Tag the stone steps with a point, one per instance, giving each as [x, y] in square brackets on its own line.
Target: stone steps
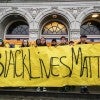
[30, 94]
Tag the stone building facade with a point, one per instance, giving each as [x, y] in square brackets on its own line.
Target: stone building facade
[33, 20]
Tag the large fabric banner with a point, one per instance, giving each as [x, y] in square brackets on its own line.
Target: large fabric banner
[50, 66]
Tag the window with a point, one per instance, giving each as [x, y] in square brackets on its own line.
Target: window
[54, 28]
[18, 28]
[91, 28]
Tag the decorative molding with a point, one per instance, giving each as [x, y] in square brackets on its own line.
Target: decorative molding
[14, 8]
[74, 34]
[33, 34]
[75, 11]
[54, 8]
[33, 31]
[97, 8]
[2, 9]
[34, 11]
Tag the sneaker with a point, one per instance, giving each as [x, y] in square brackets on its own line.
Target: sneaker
[82, 90]
[38, 89]
[44, 89]
[86, 90]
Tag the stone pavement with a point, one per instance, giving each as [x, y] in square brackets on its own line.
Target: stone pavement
[31, 94]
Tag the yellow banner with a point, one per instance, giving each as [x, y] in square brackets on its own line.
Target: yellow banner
[50, 66]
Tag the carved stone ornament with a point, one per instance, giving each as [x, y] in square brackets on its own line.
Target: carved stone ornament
[34, 11]
[2, 9]
[75, 11]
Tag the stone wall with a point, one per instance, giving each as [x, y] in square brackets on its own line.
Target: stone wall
[34, 13]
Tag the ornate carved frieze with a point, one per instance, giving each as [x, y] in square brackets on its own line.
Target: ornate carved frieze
[75, 11]
[97, 8]
[34, 11]
[2, 10]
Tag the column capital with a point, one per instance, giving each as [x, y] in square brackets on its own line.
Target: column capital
[75, 34]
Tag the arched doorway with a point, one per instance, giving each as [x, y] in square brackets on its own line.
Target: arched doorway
[15, 26]
[91, 27]
[54, 26]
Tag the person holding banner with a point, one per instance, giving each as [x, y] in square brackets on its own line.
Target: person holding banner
[11, 45]
[41, 42]
[83, 40]
[71, 43]
[38, 42]
[63, 41]
[25, 43]
[54, 42]
[1, 43]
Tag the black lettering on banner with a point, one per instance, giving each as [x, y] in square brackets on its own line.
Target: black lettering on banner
[31, 77]
[5, 63]
[26, 69]
[85, 66]
[70, 71]
[9, 63]
[76, 57]
[24, 65]
[15, 68]
[44, 67]
[98, 67]
[1, 67]
[90, 67]
[52, 65]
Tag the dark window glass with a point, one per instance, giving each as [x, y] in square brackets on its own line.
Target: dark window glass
[18, 28]
[91, 28]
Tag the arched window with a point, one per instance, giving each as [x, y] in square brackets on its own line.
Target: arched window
[15, 26]
[91, 27]
[55, 28]
[18, 28]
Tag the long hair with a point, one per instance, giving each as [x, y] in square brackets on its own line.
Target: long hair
[25, 45]
[2, 45]
[44, 44]
[38, 42]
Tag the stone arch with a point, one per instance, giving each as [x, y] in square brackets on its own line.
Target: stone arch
[18, 11]
[50, 11]
[15, 11]
[85, 13]
[85, 19]
[67, 15]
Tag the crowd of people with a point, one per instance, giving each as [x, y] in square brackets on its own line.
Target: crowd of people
[42, 42]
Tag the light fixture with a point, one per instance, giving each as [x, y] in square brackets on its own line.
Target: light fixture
[54, 16]
[95, 15]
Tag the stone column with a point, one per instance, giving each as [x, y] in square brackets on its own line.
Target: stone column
[74, 34]
[33, 34]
